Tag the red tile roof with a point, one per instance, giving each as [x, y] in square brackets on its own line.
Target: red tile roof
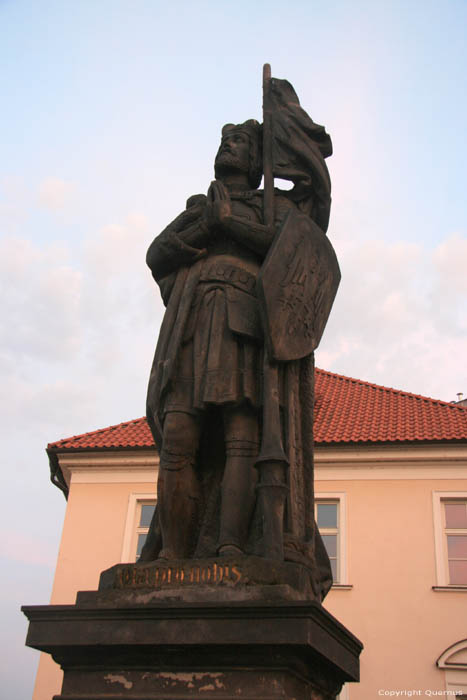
[133, 433]
[346, 411]
[351, 411]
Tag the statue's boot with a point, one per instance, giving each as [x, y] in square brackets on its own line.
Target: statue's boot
[178, 487]
[238, 496]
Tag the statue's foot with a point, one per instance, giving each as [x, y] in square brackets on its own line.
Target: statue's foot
[229, 550]
[167, 555]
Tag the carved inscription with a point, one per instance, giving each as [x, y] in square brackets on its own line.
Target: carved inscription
[173, 576]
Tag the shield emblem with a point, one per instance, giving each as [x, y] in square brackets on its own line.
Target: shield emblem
[297, 285]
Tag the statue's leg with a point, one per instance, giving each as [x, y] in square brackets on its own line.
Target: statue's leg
[177, 486]
[240, 476]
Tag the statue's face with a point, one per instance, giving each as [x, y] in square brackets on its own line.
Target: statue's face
[233, 153]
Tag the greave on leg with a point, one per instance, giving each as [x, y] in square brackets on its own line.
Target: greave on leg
[238, 494]
[178, 506]
[178, 487]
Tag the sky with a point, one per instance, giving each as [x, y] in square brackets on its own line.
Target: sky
[111, 115]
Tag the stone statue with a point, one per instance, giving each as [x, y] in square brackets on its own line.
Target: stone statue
[248, 278]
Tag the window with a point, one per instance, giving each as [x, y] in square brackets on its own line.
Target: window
[450, 521]
[144, 512]
[140, 510]
[327, 517]
[344, 694]
[454, 663]
[330, 518]
[455, 530]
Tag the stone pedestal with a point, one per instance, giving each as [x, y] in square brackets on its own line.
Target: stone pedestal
[118, 643]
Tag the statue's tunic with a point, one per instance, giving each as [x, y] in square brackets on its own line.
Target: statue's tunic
[218, 355]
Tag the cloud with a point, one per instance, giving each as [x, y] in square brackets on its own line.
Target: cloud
[78, 328]
[27, 548]
[54, 193]
[114, 248]
[449, 292]
[399, 318]
[449, 258]
[40, 300]
[14, 204]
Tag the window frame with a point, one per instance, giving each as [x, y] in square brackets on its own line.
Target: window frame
[132, 528]
[440, 536]
[453, 662]
[340, 498]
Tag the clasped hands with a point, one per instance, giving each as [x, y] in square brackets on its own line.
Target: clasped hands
[218, 211]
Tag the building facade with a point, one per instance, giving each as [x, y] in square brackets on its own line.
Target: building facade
[391, 505]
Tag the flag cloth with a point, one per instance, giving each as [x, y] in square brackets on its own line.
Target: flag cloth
[299, 147]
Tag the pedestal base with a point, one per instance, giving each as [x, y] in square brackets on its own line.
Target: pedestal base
[173, 651]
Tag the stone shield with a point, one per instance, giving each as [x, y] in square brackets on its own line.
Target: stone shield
[296, 287]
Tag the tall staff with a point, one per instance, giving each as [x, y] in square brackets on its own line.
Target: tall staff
[272, 461]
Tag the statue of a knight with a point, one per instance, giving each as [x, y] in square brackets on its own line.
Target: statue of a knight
[244, 292]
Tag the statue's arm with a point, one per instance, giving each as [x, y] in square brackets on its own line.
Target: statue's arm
[256, 236]
[182, 242]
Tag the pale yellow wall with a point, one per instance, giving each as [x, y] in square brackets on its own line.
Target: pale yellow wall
[92, 536]
[91, 542]
[391, 608]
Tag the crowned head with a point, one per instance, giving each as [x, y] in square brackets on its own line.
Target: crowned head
[240, 151]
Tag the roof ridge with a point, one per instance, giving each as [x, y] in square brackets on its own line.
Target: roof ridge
[389, 389]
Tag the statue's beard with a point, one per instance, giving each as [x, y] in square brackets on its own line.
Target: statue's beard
[227, 163]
